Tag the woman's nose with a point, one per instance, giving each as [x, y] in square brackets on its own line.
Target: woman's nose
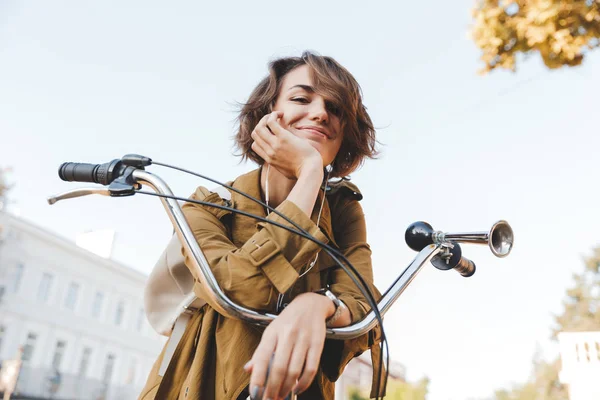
[319, 111]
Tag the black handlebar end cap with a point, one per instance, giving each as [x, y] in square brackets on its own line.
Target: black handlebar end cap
[61, 173]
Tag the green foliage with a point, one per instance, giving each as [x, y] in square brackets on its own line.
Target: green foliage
[355, 395]
[398, 390]
[543, 385]
[407, 391]
[582, 303]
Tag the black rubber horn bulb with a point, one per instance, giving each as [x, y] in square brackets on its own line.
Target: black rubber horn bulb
[418, 235]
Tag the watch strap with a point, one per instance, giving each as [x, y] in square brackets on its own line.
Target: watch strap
[339, 306]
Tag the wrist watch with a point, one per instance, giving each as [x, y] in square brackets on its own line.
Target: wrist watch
[339, 306]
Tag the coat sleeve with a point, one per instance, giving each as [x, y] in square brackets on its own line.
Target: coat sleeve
[267, 263]
[351, 236]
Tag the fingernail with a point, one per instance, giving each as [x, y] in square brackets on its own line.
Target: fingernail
[247, 364]
[254, 392]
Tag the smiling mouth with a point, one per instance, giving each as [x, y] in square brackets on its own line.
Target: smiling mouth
[314, 131]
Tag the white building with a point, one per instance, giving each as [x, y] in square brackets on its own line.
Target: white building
[580, 356]
[78, 316]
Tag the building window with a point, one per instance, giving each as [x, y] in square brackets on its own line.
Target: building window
[72, 294]
[85, 361]
[97, 305]
[17, 277]
[29, 347]
[140, 320]
[119, 313]
[59, 352]
[44, 288]
[108, 368]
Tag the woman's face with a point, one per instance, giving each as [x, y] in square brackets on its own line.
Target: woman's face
[308, 115]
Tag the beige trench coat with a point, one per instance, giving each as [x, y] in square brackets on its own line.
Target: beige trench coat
[254, 262]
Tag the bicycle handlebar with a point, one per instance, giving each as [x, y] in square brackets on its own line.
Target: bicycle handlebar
[226, 307]
[432, 244]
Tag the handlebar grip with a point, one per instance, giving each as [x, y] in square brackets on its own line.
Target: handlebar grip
[465, 267]
[78, 172]
[103, 174]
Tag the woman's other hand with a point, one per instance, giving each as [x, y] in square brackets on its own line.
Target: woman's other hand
[294, 341]
[289, 154]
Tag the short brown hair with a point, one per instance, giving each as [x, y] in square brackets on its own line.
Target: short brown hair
[335, 84]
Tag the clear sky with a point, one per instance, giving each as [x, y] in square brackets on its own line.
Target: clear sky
[91, 81]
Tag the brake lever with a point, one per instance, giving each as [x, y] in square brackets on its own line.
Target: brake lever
[71, 194]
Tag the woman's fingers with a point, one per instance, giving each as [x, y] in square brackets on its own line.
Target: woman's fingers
[248, 366]
[295, 341]
[265, 138]
[272, 122]
[279, 366]
[261, 139]
[281, 148]
[310, 366]
[261, 131]
[260, 365]
[258, 149]
[295, 367]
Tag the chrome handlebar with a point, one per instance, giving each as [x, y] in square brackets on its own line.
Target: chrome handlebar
[437, 245]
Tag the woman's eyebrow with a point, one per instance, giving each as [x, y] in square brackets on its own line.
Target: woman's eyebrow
[306, 88]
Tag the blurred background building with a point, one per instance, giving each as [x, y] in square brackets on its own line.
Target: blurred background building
[77, 315]
[580, 356]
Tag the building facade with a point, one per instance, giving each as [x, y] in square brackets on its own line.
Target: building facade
[580, 356]
[78, 317]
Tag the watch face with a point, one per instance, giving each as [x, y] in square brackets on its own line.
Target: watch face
[330, 295]
[333, 298]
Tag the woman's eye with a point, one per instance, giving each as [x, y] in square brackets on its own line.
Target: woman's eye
[335, 110]
[300, 100]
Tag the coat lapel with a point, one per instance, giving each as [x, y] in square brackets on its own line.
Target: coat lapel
[242, 227]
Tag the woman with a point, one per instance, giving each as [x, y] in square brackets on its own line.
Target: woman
[303, 124]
